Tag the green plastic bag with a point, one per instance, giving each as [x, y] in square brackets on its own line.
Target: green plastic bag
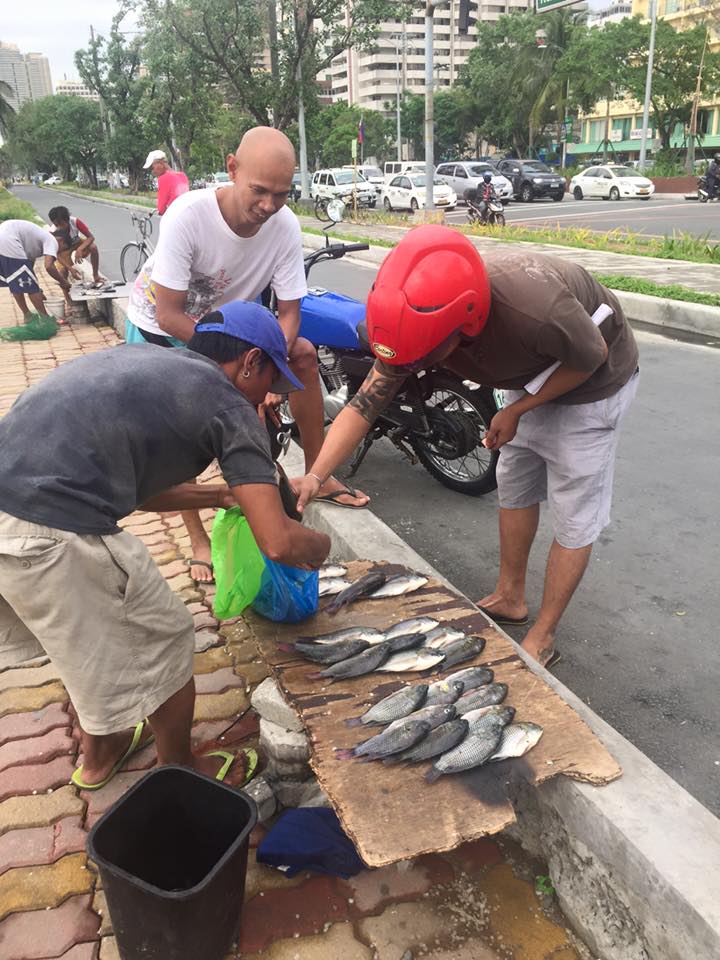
[237, 561]
[36, 327]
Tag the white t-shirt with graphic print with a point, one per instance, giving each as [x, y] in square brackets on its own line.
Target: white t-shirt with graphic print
[198, 252]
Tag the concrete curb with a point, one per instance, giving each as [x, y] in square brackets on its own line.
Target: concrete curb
[661, 312]
[636, 864]
[106, 200]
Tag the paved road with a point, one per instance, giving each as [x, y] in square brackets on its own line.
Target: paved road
[639, 640]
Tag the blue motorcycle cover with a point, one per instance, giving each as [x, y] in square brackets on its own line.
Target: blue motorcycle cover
[331, 320]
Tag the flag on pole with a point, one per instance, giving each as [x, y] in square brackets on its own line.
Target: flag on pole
[361, 131]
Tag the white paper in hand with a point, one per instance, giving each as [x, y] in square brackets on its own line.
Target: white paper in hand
[602, 313]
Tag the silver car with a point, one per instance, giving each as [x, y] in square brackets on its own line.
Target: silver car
[467, 175]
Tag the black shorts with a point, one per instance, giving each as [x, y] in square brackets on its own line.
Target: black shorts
[18, 275]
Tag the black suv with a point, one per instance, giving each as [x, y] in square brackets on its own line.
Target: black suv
[531, 179]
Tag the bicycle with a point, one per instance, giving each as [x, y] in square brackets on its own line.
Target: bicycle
[134, 254]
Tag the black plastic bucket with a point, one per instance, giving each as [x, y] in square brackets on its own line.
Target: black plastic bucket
[172, 854]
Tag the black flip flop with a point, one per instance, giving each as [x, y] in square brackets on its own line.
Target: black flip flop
[554, 658]
[333, 498]
[202, 563]
[502, 621]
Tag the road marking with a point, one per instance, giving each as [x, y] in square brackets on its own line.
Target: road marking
[600, 213]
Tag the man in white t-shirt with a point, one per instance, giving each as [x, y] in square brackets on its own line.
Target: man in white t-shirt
[21, 243]
[229, 244]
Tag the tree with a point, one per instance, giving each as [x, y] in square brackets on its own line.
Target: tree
[332, 129]
[58, 133]
[112, 67]
[455, 121]
[6, 111]
[231, 37]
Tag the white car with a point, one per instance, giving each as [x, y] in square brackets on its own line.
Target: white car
[51, 181]
[468, 175]
[341, 184]
[373, 175]
[407, 192]
[217, 180]
[611, 182]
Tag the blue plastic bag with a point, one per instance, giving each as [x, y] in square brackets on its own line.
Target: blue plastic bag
[286, 594]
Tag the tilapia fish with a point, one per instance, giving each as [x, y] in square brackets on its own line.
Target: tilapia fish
[462, 650]
[330, 653]
[405, 641]
[331, 586]
[414, 625]
[506, 714]
[394, 707]
[472, 752]
[437, 742]
[356, 591]
[396, 586]
[442, 637]
[471, 677]
[411, 660]
[356, 666]
[433, 715]
[400, 735]
[517, 739]
[349, 633]
[484, 696]
[333, 570]
[444, 691]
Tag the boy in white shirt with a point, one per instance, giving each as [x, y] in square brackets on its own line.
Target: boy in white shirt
[228, 244]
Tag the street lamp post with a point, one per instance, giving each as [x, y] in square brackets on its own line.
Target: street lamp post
[648, 85]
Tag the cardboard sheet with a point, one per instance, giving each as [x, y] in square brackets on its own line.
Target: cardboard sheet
[391, 812]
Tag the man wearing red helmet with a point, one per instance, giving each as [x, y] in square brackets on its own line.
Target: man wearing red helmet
[505, 320]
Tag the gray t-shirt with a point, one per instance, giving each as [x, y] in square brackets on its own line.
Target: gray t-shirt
[22, 240]
[102, 434]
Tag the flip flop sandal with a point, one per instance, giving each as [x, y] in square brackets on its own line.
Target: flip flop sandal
[229, 757]
[135, 745]
[501, 621]
[553, 658]
[202, 563]
[333, 498]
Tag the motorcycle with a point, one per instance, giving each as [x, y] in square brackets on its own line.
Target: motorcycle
[704, 190]
[436, 418]
[493, 214]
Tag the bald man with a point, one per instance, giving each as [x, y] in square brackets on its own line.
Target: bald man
[229, 244]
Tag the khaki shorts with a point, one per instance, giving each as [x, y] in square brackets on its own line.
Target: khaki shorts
[565, 455]
[98, 606]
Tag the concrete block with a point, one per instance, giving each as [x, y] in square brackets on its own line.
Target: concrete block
[283, 770]
[285, 746]
[262, 793]
[290, 793]
[268, 701]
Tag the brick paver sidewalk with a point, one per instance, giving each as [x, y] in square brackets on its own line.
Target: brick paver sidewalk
[467, 905]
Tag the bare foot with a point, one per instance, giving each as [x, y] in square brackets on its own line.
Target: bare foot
[355, 499]
[540, 646]
[500, 606]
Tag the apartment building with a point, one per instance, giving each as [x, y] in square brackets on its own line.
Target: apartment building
[369, 80]
[614, 13]
[26, 74]
[626, 116]
[75, 88]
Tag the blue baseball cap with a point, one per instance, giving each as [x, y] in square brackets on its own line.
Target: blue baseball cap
[248, 320]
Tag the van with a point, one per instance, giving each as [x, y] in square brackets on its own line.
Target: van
[394, 167]
[343, 184]
[372, 174]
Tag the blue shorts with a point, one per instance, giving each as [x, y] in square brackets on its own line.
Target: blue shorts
[18, 275]
[134, 334]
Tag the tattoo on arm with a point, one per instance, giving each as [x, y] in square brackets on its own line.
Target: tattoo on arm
[375, 394]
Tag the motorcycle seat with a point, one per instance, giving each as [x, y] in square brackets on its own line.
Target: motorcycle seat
[362, 333]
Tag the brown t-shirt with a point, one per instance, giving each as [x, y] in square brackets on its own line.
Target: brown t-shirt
[540, 313]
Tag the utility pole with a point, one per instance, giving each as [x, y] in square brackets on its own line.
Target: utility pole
[690, 161]
[648, 86]
[304, 179]
[429, 121]
[103, 115]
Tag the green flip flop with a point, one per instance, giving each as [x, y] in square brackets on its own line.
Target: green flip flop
[229, 757]
[135, 745]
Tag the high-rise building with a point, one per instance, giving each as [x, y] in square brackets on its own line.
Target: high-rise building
[75, 88]
[616, 11]
[26, 74]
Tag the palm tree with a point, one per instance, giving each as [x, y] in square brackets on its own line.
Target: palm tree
[6, 111]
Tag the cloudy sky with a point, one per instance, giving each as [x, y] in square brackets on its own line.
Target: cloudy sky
[56, 29]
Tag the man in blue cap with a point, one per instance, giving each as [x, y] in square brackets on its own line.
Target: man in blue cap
[120, 430]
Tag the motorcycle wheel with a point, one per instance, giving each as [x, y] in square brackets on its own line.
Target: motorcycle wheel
[473, 215]
[499, 219]
[702, 197]
[474, 472]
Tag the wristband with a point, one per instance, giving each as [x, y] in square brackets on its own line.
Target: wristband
[315, 477]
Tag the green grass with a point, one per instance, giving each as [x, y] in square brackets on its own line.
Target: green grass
[146, 200]
[670, 291]
[11, 208]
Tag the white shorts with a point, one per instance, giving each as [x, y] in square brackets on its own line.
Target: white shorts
[565, 454]
[98, 606]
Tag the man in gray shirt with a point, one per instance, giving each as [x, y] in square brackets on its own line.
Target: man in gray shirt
[97, 439]
[21, 243]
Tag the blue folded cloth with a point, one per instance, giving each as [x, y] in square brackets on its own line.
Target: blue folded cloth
[309, 838]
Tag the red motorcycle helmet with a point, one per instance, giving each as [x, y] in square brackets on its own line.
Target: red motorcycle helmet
[432, 285]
